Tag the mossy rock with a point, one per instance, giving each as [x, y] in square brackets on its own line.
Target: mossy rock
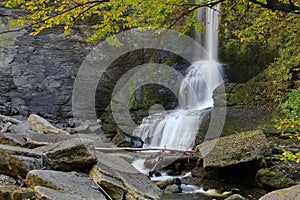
[272, 179]
[234, 149]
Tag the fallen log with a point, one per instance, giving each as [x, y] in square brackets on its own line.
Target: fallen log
[28, 141]
[9, 119]
[142, 149]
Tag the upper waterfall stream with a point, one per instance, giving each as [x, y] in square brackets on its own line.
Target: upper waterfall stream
[178, 128]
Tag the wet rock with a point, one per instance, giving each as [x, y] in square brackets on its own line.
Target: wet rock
[41, 125]
[291, 193]
[16, 161]
[50, 194]
[69, 155]
[137, 185]
[70, 184]
[175, 164]
[173, 189]
[124, 140]
[169, 182]
[273, 179]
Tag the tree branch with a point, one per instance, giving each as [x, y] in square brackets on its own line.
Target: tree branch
[277, 5]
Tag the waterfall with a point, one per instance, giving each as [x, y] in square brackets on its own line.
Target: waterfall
[178, 128]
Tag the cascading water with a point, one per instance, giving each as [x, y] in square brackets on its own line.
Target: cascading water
[178, 128]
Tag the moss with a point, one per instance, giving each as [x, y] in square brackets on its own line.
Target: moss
[272, 178]
[231, 127]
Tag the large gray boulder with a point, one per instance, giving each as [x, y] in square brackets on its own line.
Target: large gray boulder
[123, 176]
[69, 155]
[291, 193]
[16, 161]
[70, 184]
[234, 149]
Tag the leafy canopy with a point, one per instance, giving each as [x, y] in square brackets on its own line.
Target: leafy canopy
[113, 16]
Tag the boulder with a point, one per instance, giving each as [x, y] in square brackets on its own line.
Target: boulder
[136, 185]
[69, 155]
[234, 149]
[235, 157]
[41, 125]
[291, 193]
[16, 161]
[70, 184]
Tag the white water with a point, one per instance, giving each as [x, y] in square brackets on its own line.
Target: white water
[178, 128]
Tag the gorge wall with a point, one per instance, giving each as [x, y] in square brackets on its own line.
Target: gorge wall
[37, 73]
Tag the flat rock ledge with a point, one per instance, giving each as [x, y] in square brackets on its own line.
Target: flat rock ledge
[70, 185]
[69, 155]
[234, 149]
[291, 193]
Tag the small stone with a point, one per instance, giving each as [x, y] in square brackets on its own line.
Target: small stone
[173, 189]
[236, 197]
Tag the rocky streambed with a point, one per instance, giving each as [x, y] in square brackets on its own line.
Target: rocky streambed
[40, 161]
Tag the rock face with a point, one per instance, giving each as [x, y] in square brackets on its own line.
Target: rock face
[123, 178]
[291, 193]
[41, 125]
[69, 155]
[16, 161]
[37, 73]
[71, 185]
